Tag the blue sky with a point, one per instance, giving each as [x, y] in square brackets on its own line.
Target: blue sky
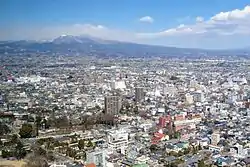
[182, 23]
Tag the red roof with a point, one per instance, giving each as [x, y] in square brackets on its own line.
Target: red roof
[157, 137]
[90, 165]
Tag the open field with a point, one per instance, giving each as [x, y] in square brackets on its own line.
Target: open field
[8, 163]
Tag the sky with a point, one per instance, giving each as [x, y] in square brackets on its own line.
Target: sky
[213, 24]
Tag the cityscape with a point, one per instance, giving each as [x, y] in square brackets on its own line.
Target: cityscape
[85, 101]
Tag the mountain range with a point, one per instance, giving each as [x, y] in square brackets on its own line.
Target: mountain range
[86, 45]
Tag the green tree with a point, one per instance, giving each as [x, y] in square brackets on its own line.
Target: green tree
[177, 135]
[84, 155]
[180, 153]
[14, 139]
[38, 121]
[62, 122]
[26, 131]
[4, 129]
[187, 150]
[71, 152]
[199, 147]
[40, 141]
[20, 152]
[45, 123]
[153, 148]
[39, 151]
[81, 144]
[6, 154]
[136, 110]
[50, 156]
[90, 144]
[201, 163]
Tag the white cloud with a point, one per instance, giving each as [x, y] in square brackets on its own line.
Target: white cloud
[51, 32]
[146, 19]
[224, 23]
[236, 14]
[199, 19]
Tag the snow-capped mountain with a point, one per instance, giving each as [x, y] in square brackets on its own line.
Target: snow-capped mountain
[69, 44]
[83, 39]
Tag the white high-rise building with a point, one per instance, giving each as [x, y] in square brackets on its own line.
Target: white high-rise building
[198, 96]
[118, 140]
[193, 84]
[118, 85]
[98, 157]
[170, 90]
[139, 94]
[240, 150]
[189, 98]
[215, 138]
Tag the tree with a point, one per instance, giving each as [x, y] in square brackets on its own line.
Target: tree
[71, 152]
[136, 110]
[180, 153]
[4, 129]
[45, 123]
[199, 147]
[38, 120]
[26, 131]
[62, 122]
[153, 148]
[39, 151]
[50, 156]
[84, 155]
[173, 77]
[6, 154]
[20, 152]
[90, 144]
[14, 139]
[201, 163]
[74, 138]
[187, 150]
[176, 135]
[81, 144]
[148, 100]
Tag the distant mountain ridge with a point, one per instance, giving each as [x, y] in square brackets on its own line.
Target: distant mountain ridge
[69, 44]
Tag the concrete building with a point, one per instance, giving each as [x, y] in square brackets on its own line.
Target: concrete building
[189, 98]
[97, 157]
[118, 85]
[139, 94]
[198, 96]
[215, 138]
[112, 104]
[118, 140]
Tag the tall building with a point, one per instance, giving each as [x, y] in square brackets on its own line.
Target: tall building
[112, 104]
[189, 98]
[139, 94]
[118, 140]
[118, 85]
[163, 121]
[170, 90]
[98, 157]
[198, 96]
[215, 138]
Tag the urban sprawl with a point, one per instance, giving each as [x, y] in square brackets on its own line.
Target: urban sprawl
[80, 111]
